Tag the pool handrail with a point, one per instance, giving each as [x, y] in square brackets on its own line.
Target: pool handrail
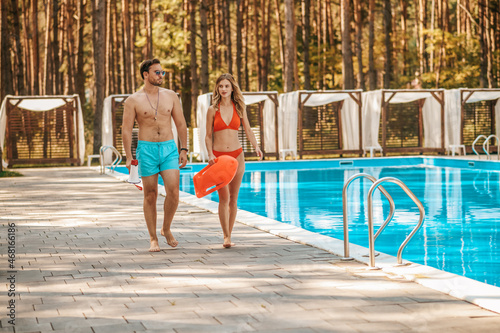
[487, 143]
[474, 143]
[115, 162]
[371, 238]
[345, 214]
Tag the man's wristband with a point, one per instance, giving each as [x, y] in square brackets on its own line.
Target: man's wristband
[185, 149]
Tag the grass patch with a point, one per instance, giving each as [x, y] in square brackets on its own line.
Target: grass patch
[10, 174]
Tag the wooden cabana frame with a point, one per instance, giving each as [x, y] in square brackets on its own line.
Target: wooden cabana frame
[465, 95]
[438, 94]
[42, 137]
[356, 96]
[273, 96]
[117, 102]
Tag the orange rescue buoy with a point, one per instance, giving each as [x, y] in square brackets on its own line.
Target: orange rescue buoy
[213, 177]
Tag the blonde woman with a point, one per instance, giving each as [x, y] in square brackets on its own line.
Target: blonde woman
[224, 117]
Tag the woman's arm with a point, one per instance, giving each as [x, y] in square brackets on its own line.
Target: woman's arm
[209, 134]
[250, 135]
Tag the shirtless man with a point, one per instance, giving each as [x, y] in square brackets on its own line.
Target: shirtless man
[154, 108]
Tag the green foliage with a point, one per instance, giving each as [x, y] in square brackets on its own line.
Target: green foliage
[7, 173]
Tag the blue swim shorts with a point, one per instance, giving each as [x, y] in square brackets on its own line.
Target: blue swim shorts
[155, 157]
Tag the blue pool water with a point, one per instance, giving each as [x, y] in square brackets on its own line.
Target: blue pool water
[461, 230]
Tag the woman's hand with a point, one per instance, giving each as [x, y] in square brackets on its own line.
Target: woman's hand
[259, 153]
[211, 159]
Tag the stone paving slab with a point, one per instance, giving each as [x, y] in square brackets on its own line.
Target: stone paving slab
[82, 265]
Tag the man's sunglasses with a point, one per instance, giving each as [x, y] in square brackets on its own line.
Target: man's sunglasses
[160, 72]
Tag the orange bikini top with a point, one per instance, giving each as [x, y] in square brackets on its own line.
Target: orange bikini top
[220, 125]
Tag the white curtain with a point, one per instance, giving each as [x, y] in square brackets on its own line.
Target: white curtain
[453, 112]
[201, 119]
[287, 120]
[350, 124]
[269, 126]
[3, 123]
[371, 117]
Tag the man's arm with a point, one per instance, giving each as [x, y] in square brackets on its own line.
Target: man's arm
[127, 126]
[180, 124]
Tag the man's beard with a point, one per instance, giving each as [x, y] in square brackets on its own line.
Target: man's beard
[156, 83]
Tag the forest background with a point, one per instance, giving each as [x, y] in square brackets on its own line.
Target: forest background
[93, 48]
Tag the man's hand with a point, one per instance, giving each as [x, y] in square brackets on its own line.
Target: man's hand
[183, 159]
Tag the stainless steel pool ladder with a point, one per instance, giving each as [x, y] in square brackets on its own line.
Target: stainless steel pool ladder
[371, 236]
[345, 211]
[116, 161]
[487, 144]
[474, 143]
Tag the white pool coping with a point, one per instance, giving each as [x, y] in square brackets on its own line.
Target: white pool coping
[479, 293]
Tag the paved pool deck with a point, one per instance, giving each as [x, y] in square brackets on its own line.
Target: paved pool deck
[82, 265]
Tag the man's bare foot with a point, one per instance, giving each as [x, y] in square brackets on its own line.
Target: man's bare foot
[170, 238]
[154, 246]
[227, 242]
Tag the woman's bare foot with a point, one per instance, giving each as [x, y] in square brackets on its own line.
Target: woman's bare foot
[227, 242]
[154, 246]
[170, 238]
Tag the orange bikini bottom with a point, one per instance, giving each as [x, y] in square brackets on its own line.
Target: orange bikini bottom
[234, 153]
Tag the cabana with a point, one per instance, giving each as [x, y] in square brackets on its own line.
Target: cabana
[42, 130]
[112, 117]
[262, 112]
[320, 122]
[473, 112]
[411, 121]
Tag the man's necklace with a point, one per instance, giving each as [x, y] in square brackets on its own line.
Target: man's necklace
[157, 102]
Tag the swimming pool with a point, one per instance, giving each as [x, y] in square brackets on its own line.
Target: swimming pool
[461, 198]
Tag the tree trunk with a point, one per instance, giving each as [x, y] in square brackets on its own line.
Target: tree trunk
[266, 42]
[359, 41]
[35, 58]
[47, 84]
[280, 38]
[204, 46]
[372, 73]
[70, 49]
[108, 53]
[246, 23]
[257, 36]
[347, 66]
[131, 49]
[483, 78]
[388, 44]
[126, 46]
[239, 47]
[421, 37]
[194, 65]
[289, 49]
[229, 53]
[149, 29]
[56, 61]
[404, 45]
[99, 17]
[306, 26]
[80, 76]
[28, 77]
[5, 61]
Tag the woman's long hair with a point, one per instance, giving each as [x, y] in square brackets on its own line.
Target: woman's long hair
[236, 95]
